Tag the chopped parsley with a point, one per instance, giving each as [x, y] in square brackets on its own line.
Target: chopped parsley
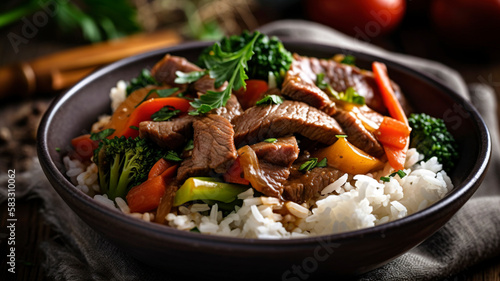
[134, 128]
[172, 156]
[350, 95]
[102, 134]
[312, 163]
[165, 113]
[58, 149]
[144, 79]
[400, 173]
[269, 100]
[224, 66]
[349, 59]
[341, 136]
[271, 140]
[189, 145]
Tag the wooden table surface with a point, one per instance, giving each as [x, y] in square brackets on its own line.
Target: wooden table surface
[33, 230]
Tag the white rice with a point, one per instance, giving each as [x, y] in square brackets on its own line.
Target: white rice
[349, 203]
[118, 94]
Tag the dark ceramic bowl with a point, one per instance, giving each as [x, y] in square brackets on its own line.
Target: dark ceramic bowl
[72, 114]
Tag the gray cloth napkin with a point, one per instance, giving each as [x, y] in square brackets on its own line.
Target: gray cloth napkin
[471, 236]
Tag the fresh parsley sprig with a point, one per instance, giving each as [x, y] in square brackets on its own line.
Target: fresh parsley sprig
[224, 66]
[270, 99]
[165, 113]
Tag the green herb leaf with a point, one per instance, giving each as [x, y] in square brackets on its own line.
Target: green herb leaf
[349, 59]
[162, 93]
[172, 156]
[189, 145]
[312, 163]
[385, 179]
[58, 149]
[144, 79]
[134, 128]
[271, 140]
[323, 85]
[224, 66]
[322, 163]
[271, 99]
[308, 165]
[350, 95]
[102, 134]
[341, 136]
[165, 113]
[185, 78]
[400, 173]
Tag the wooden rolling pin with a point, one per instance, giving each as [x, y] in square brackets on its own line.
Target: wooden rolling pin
[61, 70]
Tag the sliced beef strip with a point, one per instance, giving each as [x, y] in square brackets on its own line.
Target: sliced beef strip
[342, 76]
[276, 176]
[213, 143]
[283, 152]
[300, 85]
[261, 122]
[172, 134]
[357, 134]
[231, 110]
[164, 70]
[189, 168]
[301, 187]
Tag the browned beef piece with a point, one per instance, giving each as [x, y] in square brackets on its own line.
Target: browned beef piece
[231, 110]
[272, 121]
[300, 85]
[301, 187]
[213, 143]
[171, 134]
[164, 70]
[189, 168]
[283, 152]
[341, 76]
[357, 134]
[275, 176]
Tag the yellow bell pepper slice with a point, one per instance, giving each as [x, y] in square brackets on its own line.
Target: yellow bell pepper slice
[348, 158]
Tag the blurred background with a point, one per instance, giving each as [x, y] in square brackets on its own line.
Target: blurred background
[463, 34]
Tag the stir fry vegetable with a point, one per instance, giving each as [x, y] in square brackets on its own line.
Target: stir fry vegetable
[124, 163]
[199, 188]
[430, 137]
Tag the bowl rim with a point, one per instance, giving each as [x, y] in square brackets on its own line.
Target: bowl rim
[254, 244]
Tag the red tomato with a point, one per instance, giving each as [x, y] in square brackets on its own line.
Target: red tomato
[468, 23]
[363, 19]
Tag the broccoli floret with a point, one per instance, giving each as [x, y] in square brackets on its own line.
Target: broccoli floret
[431, 138]
[269, 55]
[124, 163]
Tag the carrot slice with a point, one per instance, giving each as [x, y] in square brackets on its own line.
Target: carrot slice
[388, 95]
[395, 154]
[393, 132]
[159, 167]
[84, 147]
[146, 196]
